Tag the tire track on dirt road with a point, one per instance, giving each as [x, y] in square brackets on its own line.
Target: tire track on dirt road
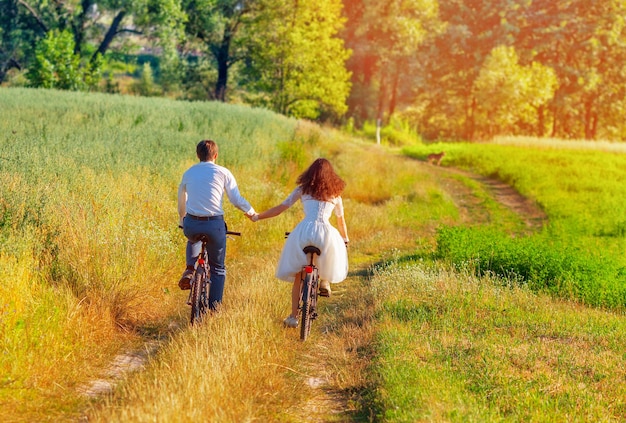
[469, 205]
[345, 345]
[334, 376]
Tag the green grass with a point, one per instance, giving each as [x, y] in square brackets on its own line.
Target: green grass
[91, 254]
[579, 254]
[454, 347]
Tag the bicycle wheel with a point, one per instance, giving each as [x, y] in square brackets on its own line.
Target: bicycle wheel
[309, 304]
[199, 295]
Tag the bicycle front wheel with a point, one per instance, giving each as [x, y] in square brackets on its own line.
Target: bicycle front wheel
[199, 295]
[309, 303]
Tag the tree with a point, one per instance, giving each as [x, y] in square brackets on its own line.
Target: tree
[93, 24]
[9, 37]
[296, 60]
[216, 23]
[56, 65]
[386, 36]
[509, 96]
[584, 42]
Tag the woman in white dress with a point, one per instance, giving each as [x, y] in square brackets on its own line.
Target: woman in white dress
[319, 189]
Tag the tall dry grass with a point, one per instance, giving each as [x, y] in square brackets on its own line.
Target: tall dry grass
[242, 365]
[88, 209]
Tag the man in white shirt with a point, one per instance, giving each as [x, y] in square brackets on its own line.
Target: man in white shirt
[200, 210]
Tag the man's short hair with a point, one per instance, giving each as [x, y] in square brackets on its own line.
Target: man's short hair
[206, 150]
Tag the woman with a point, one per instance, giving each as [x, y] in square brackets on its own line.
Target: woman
[319, 189]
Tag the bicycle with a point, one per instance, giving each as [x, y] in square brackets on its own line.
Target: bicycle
[309, 291]
[201, 283]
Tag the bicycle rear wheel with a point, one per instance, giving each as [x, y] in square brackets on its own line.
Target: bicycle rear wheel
[309, 304]
[199, 295]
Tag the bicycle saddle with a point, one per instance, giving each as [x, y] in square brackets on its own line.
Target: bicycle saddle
[311, 249]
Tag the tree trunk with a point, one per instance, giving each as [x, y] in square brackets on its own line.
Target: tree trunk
[591, 121]
[541, 121]
[393, 99]
[110, 35]
[382, 93]
[222, 56]
[78, 25]
[470, 124]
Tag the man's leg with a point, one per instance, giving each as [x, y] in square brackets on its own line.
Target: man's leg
[216, 248]
[192, 251]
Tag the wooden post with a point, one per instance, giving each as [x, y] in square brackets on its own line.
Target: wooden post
[378, 125]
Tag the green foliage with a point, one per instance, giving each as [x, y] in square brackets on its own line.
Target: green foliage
[538, 262]
[397, 132]
[297, 59]
[509, 95]
[57, 66]
[145, 86]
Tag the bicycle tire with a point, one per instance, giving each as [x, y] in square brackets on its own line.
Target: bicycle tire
[309, 304]
[199, 296]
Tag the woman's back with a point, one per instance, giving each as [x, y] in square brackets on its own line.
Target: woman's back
[317, 210]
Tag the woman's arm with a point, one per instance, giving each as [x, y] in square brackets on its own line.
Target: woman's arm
[274, 211]
[343, 229]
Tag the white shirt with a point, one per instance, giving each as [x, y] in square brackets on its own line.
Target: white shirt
[205, 184]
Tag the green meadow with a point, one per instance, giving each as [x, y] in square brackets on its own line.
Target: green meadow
[580, 252]
[444, 316]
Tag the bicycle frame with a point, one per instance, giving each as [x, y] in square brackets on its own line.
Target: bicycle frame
[201, 284]
[308, 293]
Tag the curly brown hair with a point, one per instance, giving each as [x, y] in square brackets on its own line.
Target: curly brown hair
[320, 181]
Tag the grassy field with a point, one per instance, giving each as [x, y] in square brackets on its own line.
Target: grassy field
[90, 254]
[580, 252]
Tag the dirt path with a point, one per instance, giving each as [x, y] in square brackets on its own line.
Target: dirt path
[339, 355]
[338, 382]
[470, 206]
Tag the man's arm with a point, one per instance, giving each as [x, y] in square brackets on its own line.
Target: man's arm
[182, 203]
[235, 197]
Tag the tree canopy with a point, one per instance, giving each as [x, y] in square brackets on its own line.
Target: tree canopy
[451, 69]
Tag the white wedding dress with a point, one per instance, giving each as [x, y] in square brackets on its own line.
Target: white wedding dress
[315, 229]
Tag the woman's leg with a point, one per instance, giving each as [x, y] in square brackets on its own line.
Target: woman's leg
[295, 294]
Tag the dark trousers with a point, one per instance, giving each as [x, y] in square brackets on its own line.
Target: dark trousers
[215, 231]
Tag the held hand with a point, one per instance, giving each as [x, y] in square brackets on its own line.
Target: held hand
[254, 217]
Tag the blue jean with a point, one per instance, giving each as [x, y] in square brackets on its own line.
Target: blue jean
[215, 230]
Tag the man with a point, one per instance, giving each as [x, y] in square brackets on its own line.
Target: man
[200, 210]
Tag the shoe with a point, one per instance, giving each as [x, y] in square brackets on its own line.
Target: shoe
[185, 281]
[324, 288]
[291, 322]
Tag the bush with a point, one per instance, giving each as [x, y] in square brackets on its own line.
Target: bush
[56, 65]
[537, 262]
